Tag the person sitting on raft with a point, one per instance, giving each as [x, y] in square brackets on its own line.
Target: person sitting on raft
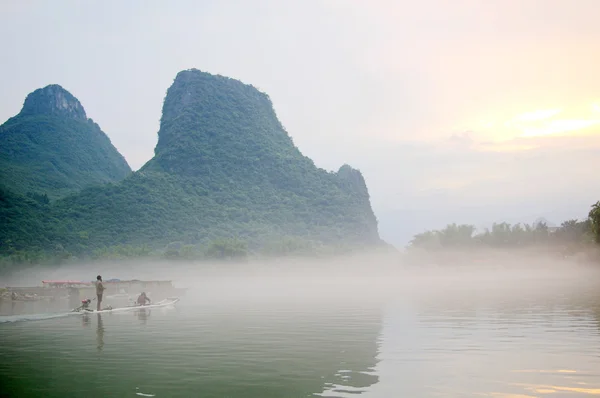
[141, 300]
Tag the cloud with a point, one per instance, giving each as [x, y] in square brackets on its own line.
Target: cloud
[429, 186]
[462, 172]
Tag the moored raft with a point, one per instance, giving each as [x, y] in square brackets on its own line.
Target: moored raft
[77, 290]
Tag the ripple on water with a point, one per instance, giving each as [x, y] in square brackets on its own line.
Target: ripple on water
[283, 349]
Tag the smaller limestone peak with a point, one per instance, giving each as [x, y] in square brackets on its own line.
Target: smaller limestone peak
[353, 178]
[53, 100]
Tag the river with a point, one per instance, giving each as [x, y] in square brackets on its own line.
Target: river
[481, 340]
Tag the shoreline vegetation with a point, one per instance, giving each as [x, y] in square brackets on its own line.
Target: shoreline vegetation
[575, 240]
[235, 250]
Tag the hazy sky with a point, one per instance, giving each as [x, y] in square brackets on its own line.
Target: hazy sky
[454, 110]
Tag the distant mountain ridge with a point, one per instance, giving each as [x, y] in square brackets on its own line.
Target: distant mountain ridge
[224, 168]
[52, 148]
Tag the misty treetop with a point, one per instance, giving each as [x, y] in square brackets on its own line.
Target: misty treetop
[571, 236]
[594, 221]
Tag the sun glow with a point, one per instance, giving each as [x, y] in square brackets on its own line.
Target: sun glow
[539, 123]
[537, 115]
[559, 126]
[554, 121]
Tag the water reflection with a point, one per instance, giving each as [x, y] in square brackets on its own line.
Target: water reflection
[499, 344]
[29, 307]
[143, 315]
[254, 349]
[100, 333]
[474, 344]
[328, 349]
[73, 299]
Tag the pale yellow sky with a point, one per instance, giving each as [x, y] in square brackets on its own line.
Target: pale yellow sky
[570, 120]
[497, 69]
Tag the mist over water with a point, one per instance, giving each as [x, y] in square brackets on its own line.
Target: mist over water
[205, 129]
[368, 325]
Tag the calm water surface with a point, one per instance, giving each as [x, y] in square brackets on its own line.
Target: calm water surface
[459, 344]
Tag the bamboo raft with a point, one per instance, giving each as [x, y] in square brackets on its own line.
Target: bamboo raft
[73, 289]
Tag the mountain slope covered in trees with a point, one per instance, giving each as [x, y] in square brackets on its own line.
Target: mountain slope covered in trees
[224, 168]
[51, 147]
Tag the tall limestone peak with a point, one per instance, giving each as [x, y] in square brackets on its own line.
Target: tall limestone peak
[53, 100]
[225, 135]
[52, 148]
[194, 90]
[210, 120]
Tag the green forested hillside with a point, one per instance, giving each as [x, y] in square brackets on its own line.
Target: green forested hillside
[52, 148]
[224, 170]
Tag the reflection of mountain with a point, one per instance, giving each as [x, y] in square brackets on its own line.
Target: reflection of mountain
[308, 350]
[224, 348]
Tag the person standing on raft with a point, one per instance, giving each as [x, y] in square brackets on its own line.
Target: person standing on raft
[141, 300]
[99, 290]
